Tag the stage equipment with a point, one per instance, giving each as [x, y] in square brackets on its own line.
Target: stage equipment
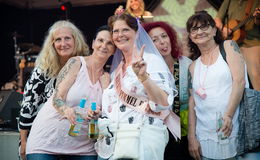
[9, 109]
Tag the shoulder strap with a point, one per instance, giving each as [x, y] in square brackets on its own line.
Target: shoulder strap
[222, 51]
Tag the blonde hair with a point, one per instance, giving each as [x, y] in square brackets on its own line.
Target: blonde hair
[48, 59]
[129, 9]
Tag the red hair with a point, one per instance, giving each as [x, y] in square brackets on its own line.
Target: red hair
[176, 49]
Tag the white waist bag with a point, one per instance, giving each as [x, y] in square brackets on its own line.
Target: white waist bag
[127, 142]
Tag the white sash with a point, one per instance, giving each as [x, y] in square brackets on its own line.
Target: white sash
[140, 104]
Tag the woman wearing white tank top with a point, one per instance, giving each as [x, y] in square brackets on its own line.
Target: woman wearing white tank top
[216, 89]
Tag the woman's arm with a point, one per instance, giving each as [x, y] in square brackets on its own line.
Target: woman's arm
[154, 92]
[194, 145]
[23, 138]
[237, 67]
[32, 99]
[65, 80]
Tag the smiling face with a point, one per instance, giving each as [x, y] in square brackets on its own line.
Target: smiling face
[64, 43]
[161, 40]
[202, 33]
[123, 35]
[135, 4]
[103, 45]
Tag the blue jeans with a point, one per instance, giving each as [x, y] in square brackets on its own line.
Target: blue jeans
[204, 158]
[39, 156]
[250, 156]
[99, 158]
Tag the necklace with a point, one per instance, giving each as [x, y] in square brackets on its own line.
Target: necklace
[201, 90]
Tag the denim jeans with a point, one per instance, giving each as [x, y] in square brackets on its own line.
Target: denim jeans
[39, 156]
[204, 158]
[250, 156]
[99, 158]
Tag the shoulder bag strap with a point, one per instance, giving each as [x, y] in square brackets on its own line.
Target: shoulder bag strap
[222, 51]
[224, 55]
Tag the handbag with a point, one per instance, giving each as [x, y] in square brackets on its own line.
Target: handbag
[127, 141]
[249, 118]
[249, 122]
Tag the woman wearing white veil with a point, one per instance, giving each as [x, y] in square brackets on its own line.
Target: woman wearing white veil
[141, 92]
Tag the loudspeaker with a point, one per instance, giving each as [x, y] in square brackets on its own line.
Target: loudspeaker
[9, 108]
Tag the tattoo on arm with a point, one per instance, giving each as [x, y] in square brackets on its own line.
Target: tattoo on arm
[58, 102]
[235, 46]
[64, 71]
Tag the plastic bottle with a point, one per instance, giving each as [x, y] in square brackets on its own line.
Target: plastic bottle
[75, 129]
[93, 127]
[219, 126]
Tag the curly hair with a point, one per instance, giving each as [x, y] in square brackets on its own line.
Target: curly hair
[48, 59]
[201, 17]
[176, 49]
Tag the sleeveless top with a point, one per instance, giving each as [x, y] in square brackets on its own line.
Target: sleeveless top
[218, 87]
[49, 133]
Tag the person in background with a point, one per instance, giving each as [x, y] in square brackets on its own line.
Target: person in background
[63, 41]
[136, 8]
[139, 73]
[216, 90]
[165, 39]
[237, 11]
[81, 77]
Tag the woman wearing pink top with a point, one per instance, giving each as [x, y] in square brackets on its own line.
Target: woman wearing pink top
[81, 77]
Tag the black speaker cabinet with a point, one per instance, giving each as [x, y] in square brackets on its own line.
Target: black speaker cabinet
[9, 108]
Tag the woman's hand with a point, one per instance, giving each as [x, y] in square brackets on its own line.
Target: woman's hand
[93, 114]
[226, 32]
[22, 150]
[256, 14]
[227, 125]
[194, 148]
[139, 66]
[119, 10]
[70, 114]
[104, 80]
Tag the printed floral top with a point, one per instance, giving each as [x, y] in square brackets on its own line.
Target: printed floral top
[36, 92]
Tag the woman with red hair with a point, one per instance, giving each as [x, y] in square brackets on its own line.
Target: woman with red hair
[165, 39]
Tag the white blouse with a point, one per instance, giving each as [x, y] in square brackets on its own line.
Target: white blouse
[218, 86]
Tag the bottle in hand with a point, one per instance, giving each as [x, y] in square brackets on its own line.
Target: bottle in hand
[93, 126]
[219, 126]
[75, 129]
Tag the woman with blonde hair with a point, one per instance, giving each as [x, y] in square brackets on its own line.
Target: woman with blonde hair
[63, 41]
[82, 77]
[136, 8]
